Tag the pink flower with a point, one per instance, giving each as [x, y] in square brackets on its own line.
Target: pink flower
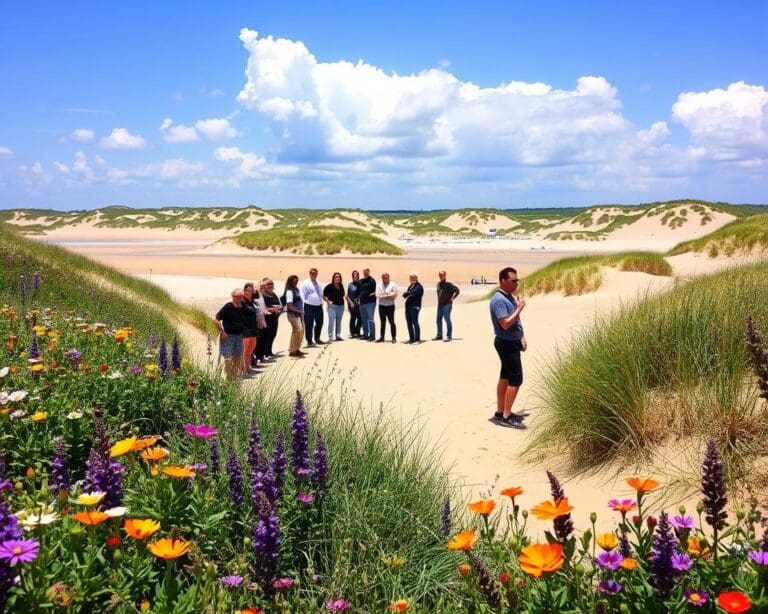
[202, 431]
[338, 605]
[19, 550]
[305, 497]
[283, 583]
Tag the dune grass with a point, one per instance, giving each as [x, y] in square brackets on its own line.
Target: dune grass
[321, 240]
[673, 365]
[67, 270]
[582, 274]
[740, 236]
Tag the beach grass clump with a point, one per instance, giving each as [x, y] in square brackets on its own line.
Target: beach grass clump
[582, 274]
[317, 240]
[672, 365]
[741, 236]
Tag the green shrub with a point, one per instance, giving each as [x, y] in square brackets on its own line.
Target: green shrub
[324, 240]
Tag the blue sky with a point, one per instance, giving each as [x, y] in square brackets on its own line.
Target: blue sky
[399, 105]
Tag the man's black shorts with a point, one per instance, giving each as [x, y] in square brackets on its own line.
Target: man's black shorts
[511, 366]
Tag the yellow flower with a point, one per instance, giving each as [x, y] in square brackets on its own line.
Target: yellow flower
[40, 330]
[168, 549]
[393, 560]
[175, 471]
[37, 368]
[150, 368]
[38, 416]
[139, 528]
[607, 541]
[122, 447]
[91, 498]
[154, 454]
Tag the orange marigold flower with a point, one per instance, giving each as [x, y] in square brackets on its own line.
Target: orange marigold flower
[401, 605]
[643, 484]
[463, 541]
[512, 492]
[91, 518]
[154, 454]
[122, 447]
[697, 547]
[168, 548]
[538, 559]
[464, 569]
[144, 443]
[607, 541]
[141, 528]
[250, 611]
[482, 507]
[549, 510]
[629, 563]
[174, 471]
[733, 601]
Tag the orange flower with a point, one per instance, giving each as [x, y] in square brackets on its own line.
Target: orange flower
[91, 518]
[174, 471]
[643, 484]
[482, 507]
[512, 492]
[538, 559]
[607, 541]
[141, 528]
[122, 447]
[733, 601]
[401, 605]
[168, 549]
[463, 541]
[154, 454]
[144, 443]
[250, 611]
[549, 510]
[464, 569]
[697, 547]
[629, 563]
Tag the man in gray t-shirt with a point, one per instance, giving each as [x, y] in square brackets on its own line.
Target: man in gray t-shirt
[509, 341]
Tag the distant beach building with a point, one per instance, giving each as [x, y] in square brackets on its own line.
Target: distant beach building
[493, 233]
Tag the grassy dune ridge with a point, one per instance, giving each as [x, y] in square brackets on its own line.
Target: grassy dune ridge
[673, 365]
[322, 240]
[739, 236]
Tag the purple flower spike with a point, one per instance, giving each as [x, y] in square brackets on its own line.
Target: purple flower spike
[266, 545]
[235, 474]
[202, 431]
[300, 439]
[338, 605]
[610, 560]
[759, 556]
[15, 551]
[681, 562]
[215, 457]
[610, 587]
[59, 479]
[162, 358]
[102, 474]
[320, 469]
[279, 462]
[563, 525]
[695, 597]
[664, 548]
[445, 516]
[175, 355]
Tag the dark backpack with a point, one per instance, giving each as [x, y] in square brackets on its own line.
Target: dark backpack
[283, 302]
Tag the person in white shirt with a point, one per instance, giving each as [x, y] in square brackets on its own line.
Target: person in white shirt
[312, 295]
[386, 292]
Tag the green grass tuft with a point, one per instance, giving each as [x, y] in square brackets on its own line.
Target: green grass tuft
[740, 236]
[323, 240]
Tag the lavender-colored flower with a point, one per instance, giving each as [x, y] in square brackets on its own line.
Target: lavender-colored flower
[59, 479]
[695, 597]
[445, 516]
[563, 525]
[610, 587]
[759, 556]
[74, 355]
[23, 288]
[34, 351]
[254, 443]
[624, 548]
[279, 462]
[305, 497]
[682, 522]
[175, 355]
[320, 468]
[235, 473]
[713, 488]
[486, 582]
[338, 605]
[664, 548]
[215, 457]
[300, 439]
[162, 358]
[209, 346]
[35, 283]
[681, 561]
[609, 560]
[262, 480]
[282, 583]
[15, 551]
[102, 474]
[136, 369]
[232, 581]
[9, 530]
[266, 545]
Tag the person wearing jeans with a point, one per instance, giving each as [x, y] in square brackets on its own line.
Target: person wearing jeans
[333, 295]
[353, 304]
[412, 298]
[446, 293]
[312, 295]
[368, 305]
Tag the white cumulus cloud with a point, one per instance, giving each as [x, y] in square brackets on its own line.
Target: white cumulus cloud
[251, 166]
[82, 135]
[5, 152]
[216, 129]
[727, 124]
[178, 133]
[120, 138]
